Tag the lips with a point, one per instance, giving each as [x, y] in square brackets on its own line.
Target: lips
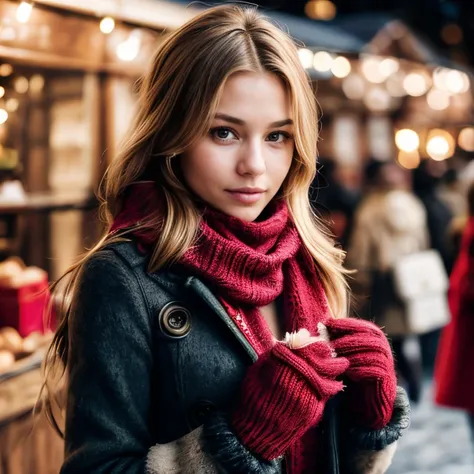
[247, 190]
[246, 195]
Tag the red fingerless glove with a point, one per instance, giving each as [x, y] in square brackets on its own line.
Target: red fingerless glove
[372, 370]
[284, 394]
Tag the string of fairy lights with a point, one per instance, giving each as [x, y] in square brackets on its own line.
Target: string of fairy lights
[377, 82]
[127, 50]
[380, 83]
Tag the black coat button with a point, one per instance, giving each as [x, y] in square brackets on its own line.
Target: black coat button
[174, 321]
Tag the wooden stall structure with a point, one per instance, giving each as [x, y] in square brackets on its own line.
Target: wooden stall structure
[68, 90]
[68, 73]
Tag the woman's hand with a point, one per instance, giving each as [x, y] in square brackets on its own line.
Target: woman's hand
[284, 394]
[371, 379]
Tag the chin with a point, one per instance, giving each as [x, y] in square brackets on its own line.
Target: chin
[248, 214]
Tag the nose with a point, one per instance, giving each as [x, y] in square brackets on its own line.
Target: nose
[252, 160]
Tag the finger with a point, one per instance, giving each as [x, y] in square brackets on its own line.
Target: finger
[347, 345]
[340, 327]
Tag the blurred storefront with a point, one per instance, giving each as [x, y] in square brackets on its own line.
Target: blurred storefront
[68, 75]
[397, 99]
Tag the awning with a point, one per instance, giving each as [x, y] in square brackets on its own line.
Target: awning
[306, 32]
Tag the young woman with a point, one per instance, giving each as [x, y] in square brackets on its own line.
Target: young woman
[206, 332]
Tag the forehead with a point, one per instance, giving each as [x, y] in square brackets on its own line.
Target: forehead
[251, 95]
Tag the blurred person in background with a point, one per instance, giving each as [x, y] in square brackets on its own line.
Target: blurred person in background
[427, 184]
[333, 201]
[207, 332]
[427, 180]
[451, 193]
[390, 223]
[464, 175]
[454, 374]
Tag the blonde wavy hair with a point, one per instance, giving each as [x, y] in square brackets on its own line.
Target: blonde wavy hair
[177, 102]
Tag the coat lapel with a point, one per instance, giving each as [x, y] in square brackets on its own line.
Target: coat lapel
[208, 297]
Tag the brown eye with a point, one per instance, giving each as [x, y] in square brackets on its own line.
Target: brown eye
[277, 137]
[223, 134]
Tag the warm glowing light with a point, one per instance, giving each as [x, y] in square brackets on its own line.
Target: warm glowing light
[437, 100]
[409, 160]
[322, 61]
[389, 66]
[415, 84]
[371, 69]
[451, 80]
[440, 145]
[439, 78]
[407, 140]
[437, 148]
[128, 50]
[377, 99]
[2, 91]
[341, 67]
[21, 85]
[394, 85]
[12, 104]
[107, 25]
[354, 87]
[36, 83]
[466, 139]
[457, 82]
[23, 12]
[320, 10]
[3, 116]
[306, 57]
[6, 70]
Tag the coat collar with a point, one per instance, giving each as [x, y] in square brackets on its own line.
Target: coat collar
[175, 283]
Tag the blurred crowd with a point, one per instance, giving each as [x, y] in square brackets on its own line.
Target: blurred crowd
[409, 237]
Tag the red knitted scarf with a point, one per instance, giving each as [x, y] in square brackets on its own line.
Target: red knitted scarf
[248, 265]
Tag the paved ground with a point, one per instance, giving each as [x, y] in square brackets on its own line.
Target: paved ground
[438, 442]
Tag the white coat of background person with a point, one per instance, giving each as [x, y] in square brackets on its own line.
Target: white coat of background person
[390, 223]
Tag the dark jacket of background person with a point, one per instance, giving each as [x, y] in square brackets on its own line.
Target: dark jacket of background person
[425, 186]
[455, 360]
[333, 201]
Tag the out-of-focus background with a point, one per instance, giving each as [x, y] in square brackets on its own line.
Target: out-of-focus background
[394, 84]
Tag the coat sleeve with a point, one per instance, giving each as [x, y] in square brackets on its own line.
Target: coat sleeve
[360, 257]
[366, 451]
[109, 370]
[466, 283]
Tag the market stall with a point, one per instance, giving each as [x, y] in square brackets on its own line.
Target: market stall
[396, 99]
[68, 72]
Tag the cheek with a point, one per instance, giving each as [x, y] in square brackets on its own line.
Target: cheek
[199, 166]
[281, 166]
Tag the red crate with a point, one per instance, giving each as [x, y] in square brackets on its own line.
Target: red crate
[23, 308]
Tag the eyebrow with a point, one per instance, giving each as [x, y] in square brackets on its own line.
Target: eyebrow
[237, 121]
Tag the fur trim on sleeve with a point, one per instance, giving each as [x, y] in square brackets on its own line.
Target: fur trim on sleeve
[183, 456]
[376, 440]
[371, 451]
[211, 449]
[231, 456]
[372, 462]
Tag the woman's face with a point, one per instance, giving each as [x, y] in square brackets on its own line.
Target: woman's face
[241, 163]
